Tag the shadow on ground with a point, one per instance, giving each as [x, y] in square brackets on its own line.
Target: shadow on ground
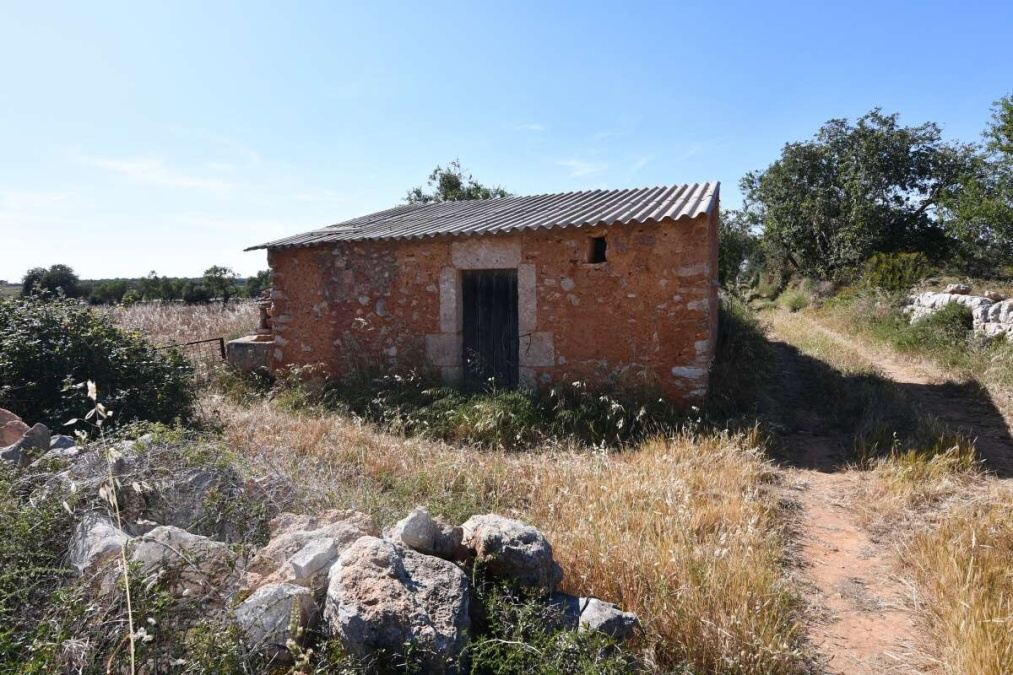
[827, 420]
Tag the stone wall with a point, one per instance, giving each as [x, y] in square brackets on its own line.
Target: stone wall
[649, 310]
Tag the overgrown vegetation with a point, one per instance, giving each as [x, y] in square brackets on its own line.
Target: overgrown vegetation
[47, 348]
[687, 531]
[963, 571]
[895, 272]
[519, 634]
[944, 338]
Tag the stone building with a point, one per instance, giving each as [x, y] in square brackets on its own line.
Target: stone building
[585, 286]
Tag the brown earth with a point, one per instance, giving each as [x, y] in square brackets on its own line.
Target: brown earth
[865, 623]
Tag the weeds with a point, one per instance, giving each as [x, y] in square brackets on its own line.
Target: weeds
[686, 532]
[171, 323]
[963, 571]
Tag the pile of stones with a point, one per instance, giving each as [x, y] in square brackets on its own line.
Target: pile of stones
[332, 572]
[992, 313]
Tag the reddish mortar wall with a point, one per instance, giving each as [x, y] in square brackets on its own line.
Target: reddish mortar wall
[649, 311]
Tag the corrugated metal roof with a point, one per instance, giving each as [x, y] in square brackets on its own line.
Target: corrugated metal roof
[488, 216]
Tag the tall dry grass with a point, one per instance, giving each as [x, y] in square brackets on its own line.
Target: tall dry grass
[684, 531]
[964, 571]
[171, 323]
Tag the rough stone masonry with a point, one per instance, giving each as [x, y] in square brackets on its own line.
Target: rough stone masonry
[648, 314]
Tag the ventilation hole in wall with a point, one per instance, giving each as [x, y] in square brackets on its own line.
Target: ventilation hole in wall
[596, 250]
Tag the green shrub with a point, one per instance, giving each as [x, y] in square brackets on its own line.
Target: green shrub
[794, 300]
[895, 272]
[32, 547]
[517, 634]
[48, 347]
[945, 330]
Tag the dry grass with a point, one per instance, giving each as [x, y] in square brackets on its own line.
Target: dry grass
[911, 487]
[170, 323]
[685, 531]
[800, 331]
[964, 570]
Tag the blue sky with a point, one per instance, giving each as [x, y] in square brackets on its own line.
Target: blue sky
[168, 136]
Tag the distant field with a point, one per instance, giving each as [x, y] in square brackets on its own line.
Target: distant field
[9, 290]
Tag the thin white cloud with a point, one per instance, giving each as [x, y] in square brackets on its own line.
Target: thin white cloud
[579, 167]
[14, 199]
[640, 164]
[530, 126]
[152, 171]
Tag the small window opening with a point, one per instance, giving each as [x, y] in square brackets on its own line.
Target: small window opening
[596, 254]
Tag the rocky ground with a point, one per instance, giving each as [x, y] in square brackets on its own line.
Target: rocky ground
[158, 522]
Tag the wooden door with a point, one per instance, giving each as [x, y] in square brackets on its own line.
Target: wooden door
[490, 326]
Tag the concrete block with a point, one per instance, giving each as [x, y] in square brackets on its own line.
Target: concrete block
[452, 374]
[249, 353]
[526, 377]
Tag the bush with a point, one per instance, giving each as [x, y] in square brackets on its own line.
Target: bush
[794, 300]
[517, 636]
[895, 272]
[943, 335]
[48, 347]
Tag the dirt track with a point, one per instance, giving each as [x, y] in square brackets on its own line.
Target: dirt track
[865, 624]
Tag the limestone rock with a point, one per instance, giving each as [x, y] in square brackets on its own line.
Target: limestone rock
[605, 617]
[382, 595]
[314, 542]
[588, 613]
[34, 439]
[56, 454]
[274, 614]
[420, 532]
[61, 442]
[95, 540]
[958, 289]
[994, 296]
[189, 563]
[510, 549]
[12, 428]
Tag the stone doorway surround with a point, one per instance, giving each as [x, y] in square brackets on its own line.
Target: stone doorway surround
[445, 350]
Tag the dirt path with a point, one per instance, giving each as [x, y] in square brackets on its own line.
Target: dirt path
[963, 407]
[865, 625]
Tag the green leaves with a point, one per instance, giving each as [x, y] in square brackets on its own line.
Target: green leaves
[45, 345]
[853, 190]
[451, 184]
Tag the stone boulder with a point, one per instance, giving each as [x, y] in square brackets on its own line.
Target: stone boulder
[95, 540]
[12, 428]
[61, 442]
[275, 614]
[34, 441]
[958, 289]
[302, 548]
[994, 296]
[593, 614]
[420, 532]
[185, 501]
[510, 549]
[188, 563]
[383, 596]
